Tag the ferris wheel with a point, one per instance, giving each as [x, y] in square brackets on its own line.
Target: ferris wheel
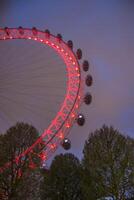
[69, 106]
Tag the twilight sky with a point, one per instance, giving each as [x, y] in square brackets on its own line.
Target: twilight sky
[104, 30]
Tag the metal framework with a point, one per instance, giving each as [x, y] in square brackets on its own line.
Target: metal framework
[60, 125]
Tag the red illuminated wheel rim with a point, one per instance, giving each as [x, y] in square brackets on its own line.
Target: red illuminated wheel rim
[60, 125]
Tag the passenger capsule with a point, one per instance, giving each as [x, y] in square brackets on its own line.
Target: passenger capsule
[35, 31]
[85, 65]
[7, 31]
[59, 37]
[81, 120]
[79, 53]
[47, 33]
[66, 144]
[70, 44]
[89, 80]
[88, 99]
[21, 30]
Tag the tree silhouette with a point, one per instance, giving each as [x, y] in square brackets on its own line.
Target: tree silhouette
[17, 178]
[62, 180]
[108, 165]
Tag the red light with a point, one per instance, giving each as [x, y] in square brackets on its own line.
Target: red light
[19, 173]
[32, 165]
[52, 146]
[61, 136]
[42, 156]
[17, 160]
[68, 125]
[73, 115]
[76, 106]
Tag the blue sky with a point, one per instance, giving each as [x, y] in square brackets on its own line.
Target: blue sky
[104, 30]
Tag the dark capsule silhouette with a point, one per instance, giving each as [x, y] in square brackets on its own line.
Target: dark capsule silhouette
[81, 120]
[89, 80]
[7, 31]
[85, 65]
[47, 32]
[35, 31]
[79, 53]
[59, 37]
[88, 99]
[21, 30]
[66, 144]
[70, 44]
